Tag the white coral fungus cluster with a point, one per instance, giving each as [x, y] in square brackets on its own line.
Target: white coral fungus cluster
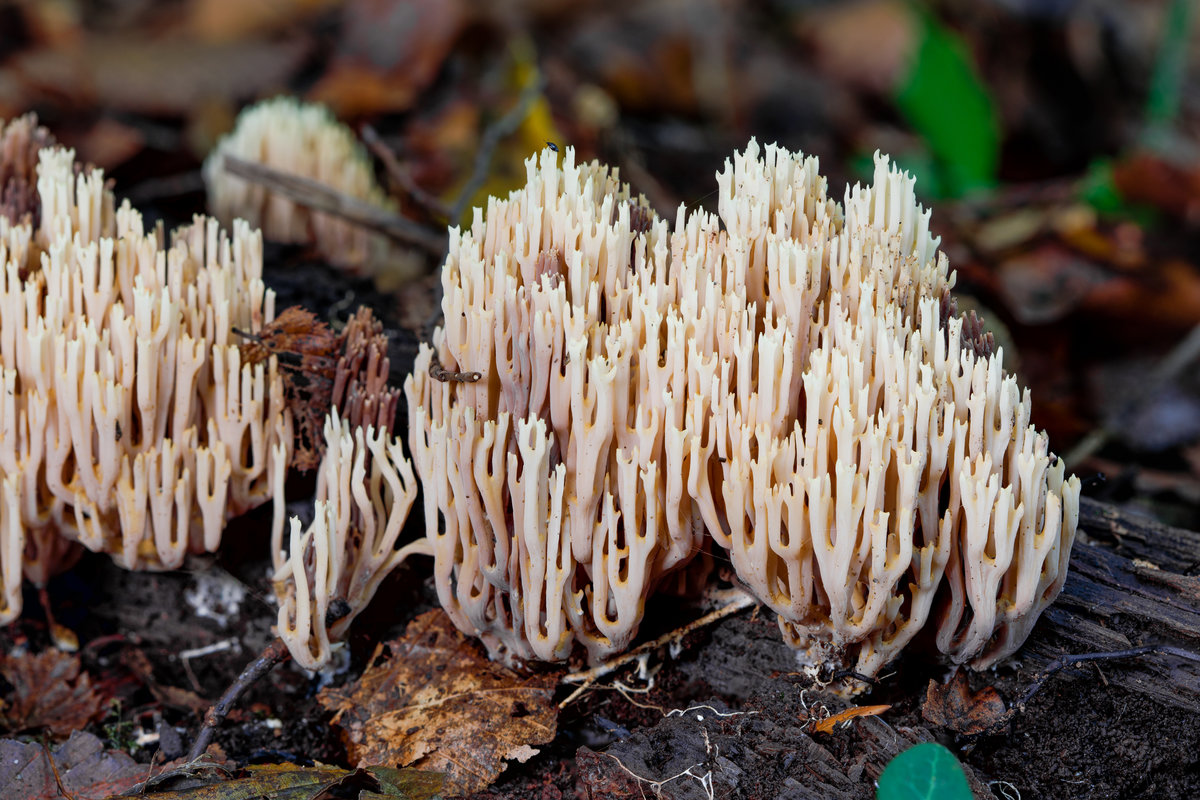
[326, 574]
[778, 377]
[127, 422]
[306, 140]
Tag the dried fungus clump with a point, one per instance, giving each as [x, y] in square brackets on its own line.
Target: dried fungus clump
[128, 422]
[781, 375]
[550, 422]
[360, 387]
[323, 370]
[325, 575]
[306, 140]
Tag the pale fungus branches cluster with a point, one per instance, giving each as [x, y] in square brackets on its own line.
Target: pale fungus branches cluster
[128, 423]
[607, 391]
[325, 575]
[553, 484]
[904, 485]
[306, 140]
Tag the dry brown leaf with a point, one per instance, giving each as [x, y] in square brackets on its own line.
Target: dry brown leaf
[956, 707]
[230, 20]
[153, 76]
[826, 725]
[388, 54]
[437, 703]
[87, 771]
[50, 692]
[869, 44]
[194, 780]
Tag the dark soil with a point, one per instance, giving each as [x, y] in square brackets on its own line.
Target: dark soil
[731, 706]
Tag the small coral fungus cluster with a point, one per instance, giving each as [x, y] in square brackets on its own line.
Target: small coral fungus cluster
[781, 377]
[304, 140]
[128, 422]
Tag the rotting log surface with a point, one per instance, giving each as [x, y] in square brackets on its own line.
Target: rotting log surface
[1132, 583]
[1128, 586]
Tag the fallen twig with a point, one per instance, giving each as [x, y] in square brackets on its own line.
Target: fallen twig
[62, 790]
[502, 127]
[1070, 659]
[1181, 357]
[320, 197]
[274, 653]
[401, 177]
[586, 678]
[440, 373]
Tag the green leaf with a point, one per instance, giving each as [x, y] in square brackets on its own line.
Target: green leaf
[1166, 83]
[409, 784]
[927, 771]
[947, 104]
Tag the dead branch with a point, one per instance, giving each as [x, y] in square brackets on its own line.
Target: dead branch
[502, 127]
[319, 197]
[440, 373]
[274, 653]
[586, 678]
[401, 176]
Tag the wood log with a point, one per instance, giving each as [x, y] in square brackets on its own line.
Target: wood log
[1129, 586]
[1132, 583]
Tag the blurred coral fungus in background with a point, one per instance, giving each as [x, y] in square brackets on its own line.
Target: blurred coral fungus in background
[544, 215]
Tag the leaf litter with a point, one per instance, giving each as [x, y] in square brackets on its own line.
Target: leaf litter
[436, 702]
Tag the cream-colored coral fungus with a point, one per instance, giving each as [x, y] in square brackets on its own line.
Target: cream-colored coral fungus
[605, 389]
[303, 139]
[327, 574]
[554, 483]
[875, 472]
[127, 422]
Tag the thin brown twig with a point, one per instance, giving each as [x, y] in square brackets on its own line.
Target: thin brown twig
[274, 653]
[401, 176]
[320, 197]
[1071, 659]
[440, 373]
[586, 678]
[1172, 366]
[54, 768]
[502, 127]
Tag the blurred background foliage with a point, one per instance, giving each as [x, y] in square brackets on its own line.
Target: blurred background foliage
[1058, 139]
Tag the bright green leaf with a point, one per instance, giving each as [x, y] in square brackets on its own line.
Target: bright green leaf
[947, 104]
[927, 771]
[1166, 83]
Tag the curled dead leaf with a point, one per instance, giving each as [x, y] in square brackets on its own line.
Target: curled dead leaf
[954, 706]
[49, 692]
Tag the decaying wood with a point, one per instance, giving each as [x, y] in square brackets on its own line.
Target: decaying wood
[708, 753]
[1130, 587]
[1136, 592]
